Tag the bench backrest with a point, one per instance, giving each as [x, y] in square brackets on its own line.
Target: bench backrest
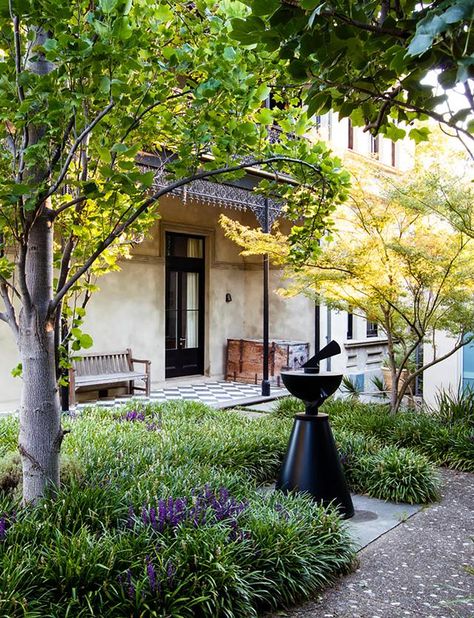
[100, 364]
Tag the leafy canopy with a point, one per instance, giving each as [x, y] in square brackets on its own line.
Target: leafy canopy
[370, 60]
[86, 88]
[394, 258]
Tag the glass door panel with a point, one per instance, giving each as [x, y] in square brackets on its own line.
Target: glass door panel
[184, 305]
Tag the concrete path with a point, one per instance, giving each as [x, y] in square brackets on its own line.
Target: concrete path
[417, 569]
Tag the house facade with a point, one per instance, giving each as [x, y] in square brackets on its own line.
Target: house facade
[187, 289]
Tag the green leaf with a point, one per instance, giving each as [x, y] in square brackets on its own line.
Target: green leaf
[229, 54]
[310, 4]
[17, 371]
[122, 28]
[208, 89]
[50, 44]
[419, 44]
[265, 7]
[86, 341]
[7, 268]
[264, 116]
[419, 135]
[108, 6]
[104, 84]
[104, 154]
[262, 92]
[164, 13]
[147, 179]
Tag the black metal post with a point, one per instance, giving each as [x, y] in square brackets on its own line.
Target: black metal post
[266, 276]
[317, 327]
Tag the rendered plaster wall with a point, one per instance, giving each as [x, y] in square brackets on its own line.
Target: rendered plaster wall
[291, 319]
[135, 297]
[446, 375]
[10, 387]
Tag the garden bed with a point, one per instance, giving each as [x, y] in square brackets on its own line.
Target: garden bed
[160, 514]
[445, 436]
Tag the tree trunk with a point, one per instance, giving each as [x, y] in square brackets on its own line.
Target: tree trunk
[40, 422]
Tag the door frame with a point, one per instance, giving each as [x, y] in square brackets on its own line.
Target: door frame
[192, 265]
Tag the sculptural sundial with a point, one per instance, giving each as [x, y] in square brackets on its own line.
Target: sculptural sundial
[312, 463]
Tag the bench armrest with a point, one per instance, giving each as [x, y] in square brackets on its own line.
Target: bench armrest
[147, 364]
[139, 360]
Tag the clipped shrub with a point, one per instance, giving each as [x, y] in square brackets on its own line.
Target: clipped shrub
[455, 407]
[11, 472]
[399, 475]
[352, 449]
[450, 445]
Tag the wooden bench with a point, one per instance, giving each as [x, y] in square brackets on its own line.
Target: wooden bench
[103, 371]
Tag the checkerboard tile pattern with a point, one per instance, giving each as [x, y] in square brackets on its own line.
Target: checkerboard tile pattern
[214, 394]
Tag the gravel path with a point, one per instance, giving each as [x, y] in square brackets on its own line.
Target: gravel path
[417, 569]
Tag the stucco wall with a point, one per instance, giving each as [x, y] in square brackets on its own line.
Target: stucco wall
[447, 374]
[290, 318]
[129, 309]
[9, 386]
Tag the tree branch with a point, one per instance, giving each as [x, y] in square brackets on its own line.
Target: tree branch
[468, 93]
[384, 96]
[435, 361]
[73, 149]
[9, 316]
[25, 293]
[59, 150]
[118, 230]
[376, 28]
[63, 207]
[65, 262]
[16, 38]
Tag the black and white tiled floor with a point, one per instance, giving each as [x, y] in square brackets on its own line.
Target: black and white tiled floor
[214, 394]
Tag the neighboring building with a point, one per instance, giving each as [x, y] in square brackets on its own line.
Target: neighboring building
[187, 289]
[364, 344]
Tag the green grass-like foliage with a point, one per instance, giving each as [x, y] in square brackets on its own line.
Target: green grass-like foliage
[444, 441]
[93, 551]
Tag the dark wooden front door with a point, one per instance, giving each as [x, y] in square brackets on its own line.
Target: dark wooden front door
[184, 305]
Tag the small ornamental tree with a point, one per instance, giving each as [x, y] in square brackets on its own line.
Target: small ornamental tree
[376, 61]
[406, 269]
[86, 86]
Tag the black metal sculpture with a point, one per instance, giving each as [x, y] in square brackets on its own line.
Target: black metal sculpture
[312, 464]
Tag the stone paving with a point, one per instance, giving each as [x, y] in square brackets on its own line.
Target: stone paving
[215, 393]
[418, 569]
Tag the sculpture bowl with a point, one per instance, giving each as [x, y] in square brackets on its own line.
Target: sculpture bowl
[311, 387]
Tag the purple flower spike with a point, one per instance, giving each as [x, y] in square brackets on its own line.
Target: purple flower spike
[170, 573]
[3, 528]
[130, 586]
[150, 571]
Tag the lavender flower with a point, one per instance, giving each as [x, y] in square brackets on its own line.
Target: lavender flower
[151, 573]
[170, 573]
[3, 528]
[130, 586]
[6, 520]
[206, 507]
[132, 416]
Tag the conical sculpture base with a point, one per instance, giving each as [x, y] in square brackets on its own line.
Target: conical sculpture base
[312, 464]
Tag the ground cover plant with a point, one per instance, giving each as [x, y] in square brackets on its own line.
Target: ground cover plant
[444, 435]
[161, 514]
